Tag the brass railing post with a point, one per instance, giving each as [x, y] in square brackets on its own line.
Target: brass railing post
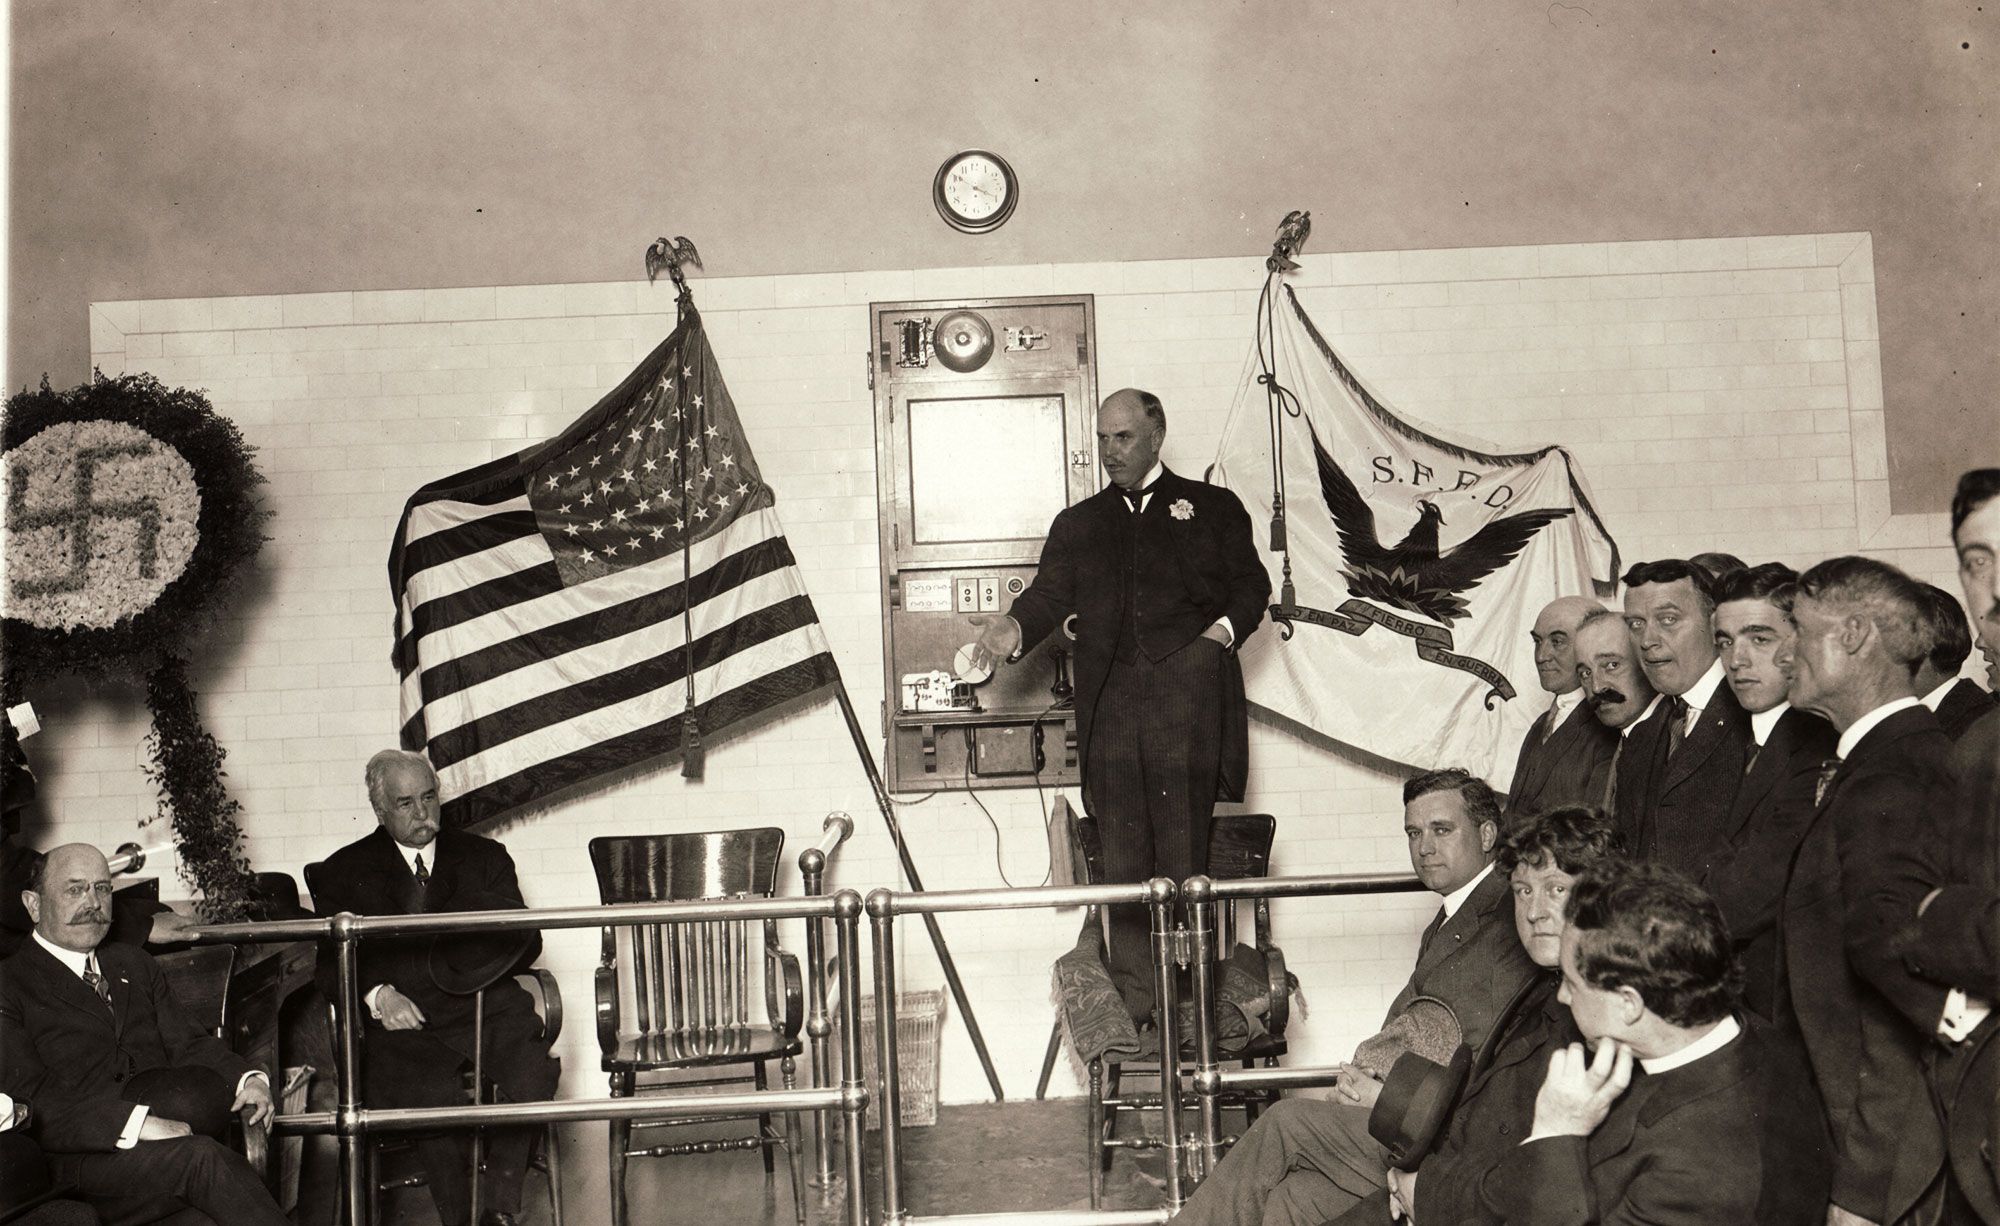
[1198, 895]
[888, 1099]
[853, 1090]
[819, 1024]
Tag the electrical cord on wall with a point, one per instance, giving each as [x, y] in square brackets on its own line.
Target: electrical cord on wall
[1041, 796]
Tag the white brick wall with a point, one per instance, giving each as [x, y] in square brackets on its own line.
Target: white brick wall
[1719, 394]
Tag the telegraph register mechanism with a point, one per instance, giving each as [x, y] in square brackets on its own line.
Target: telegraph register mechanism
[985, 416]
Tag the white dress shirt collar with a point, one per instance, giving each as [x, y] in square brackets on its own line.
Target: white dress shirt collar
[1456, 899]
[1644, 715]
[1560, 709]
[1153, 474]
[428, 851]
[1719, 1036]
[1866, 724]
[1702, 692]
[1936, 696]
[1761, 722]
[76, 962]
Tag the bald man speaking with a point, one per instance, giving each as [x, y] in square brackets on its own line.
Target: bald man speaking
[1164, 585]
[1566, 756]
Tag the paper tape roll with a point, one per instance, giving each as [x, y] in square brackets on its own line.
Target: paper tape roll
[969, 672]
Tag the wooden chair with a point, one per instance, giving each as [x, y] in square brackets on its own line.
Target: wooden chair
[547, 993]
[1239, 846]
[199, 978]
[680, 996]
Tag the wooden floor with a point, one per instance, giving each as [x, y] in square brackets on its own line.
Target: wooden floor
[987, 1157]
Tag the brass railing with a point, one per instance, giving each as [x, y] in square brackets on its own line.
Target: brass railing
[352, 1121]
[813, 862]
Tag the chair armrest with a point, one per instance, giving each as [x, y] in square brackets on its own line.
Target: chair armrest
[784, 987]
[1279, 982]
[607, 1009]
[541, 984]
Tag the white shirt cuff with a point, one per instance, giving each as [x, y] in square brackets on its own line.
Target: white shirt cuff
[1228, 630]
[133, 1123]
[244, 1080]
[1962, 1015]
[374, 994]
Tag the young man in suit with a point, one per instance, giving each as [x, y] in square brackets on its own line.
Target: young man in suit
[92, 1039]
[1957, 701]
[1711, 1132]
[1165, 586]
[1863, 866]
[1306, 1160]
[1696, 741]
[1753, 632]
[418, 1037]
[1566, 755]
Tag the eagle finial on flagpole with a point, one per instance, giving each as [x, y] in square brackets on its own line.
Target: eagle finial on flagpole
[670, 254]
[1292, 234]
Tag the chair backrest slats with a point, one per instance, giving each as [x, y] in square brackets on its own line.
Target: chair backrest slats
[690, 982]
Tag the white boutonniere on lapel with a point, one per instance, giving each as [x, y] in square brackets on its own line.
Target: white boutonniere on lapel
[1182, 509]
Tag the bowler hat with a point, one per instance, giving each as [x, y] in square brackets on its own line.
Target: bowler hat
[1426, 1026]
[196, 1096]
[462, 963]
[1416, 1098]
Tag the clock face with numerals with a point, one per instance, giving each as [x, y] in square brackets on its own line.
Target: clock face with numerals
[975, 191]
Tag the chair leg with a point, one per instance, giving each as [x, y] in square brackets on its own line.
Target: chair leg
[794, 1154]
[621, 1140]
[1049, 1060]
[552, 1155]
[1095, 1125]
[764, 1124]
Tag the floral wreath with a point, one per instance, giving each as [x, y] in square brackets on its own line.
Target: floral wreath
[131, 518]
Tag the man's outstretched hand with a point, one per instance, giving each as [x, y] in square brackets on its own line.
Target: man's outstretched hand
[999, 638]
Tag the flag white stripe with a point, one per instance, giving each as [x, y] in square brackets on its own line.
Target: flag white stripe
[437, 516]
[448, 643]
[472, 569]
[593, 660]
[542, 745]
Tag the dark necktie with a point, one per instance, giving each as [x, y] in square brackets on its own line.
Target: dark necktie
[97, 982]
[1424, 946]
[1677, 723]
[423, 874]
[1750, 759]
[1136, 499]
[1827, 770]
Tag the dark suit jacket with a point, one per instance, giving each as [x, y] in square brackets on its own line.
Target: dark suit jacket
[1497, 1106]
[1474, 962]
[1766, 821]
[1963, 706]
[65, 1053]
[370, 877]
[1571, 767]
[1678, 816]
[1955, 941]
[1189, 572]
[1711, 1143]
[1860, 871]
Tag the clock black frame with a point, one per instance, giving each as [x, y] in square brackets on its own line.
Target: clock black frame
[964, 224]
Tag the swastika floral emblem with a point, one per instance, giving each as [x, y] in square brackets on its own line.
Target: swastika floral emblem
[101, 517]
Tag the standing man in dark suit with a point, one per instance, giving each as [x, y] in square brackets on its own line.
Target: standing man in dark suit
[1698, 738]
[1566, 755]
[1957, 701]
[1753, 631]
[419, 1037]
[1164, 584]
[1308, 1159]
[1709, 1130]
[1860, 875]
[92, 1039]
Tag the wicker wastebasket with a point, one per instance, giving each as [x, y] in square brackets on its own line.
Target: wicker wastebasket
[919, 1024]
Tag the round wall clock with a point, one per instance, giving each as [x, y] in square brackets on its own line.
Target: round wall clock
[975, 191]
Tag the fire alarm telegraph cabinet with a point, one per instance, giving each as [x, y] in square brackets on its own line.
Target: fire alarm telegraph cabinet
[984, 430]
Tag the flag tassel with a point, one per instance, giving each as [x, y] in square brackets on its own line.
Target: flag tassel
[693, 756]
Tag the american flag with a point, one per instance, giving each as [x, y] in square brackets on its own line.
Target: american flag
[552, 605]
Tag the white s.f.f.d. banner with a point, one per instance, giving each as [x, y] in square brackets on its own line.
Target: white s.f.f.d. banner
[1417, 563]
